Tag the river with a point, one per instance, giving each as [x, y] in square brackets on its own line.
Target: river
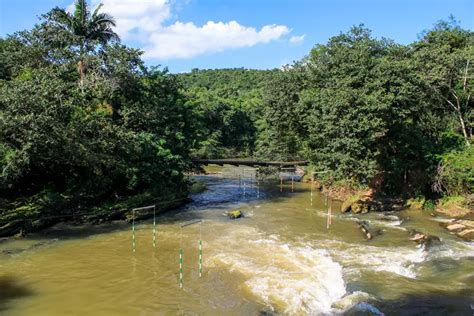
[279, 259]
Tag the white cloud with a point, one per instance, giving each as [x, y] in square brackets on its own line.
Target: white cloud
[185, 40]
[297, 39]
[136, 17]
[144, 21]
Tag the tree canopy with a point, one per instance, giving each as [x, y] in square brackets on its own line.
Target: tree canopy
[83, 120]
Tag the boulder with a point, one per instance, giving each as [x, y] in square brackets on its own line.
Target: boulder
[367, 195]
[347, 204]
[467, 234]
[455, 227]
[360, 207]
[462, 228]
[425, 240]
[234, 214]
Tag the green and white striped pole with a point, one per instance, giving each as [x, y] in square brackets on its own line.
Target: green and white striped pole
[133, 231]
[243, 173]
[312, 194]
[154, 227]
[258, 186]
[200, 258]
[180, 268]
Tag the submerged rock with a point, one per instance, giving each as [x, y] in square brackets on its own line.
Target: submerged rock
[425, 240]
[234, 214]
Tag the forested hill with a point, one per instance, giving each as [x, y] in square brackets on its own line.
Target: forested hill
[228, 81]
[85, 125]
[229, 104]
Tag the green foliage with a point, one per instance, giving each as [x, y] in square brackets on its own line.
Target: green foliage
[281, 127]
[429, 205]
[456, 172]
[372, 112]
[125, 131]
[454, 200]
[416, 203]
[84, 123]
[227, 104]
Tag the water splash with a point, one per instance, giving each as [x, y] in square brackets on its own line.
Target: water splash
[289, 278]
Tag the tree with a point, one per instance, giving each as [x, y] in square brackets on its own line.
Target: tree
[444, 56]
[282, 125]
[86, 29]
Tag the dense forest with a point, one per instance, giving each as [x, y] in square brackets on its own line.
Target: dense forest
[230, 104]
[86, 126]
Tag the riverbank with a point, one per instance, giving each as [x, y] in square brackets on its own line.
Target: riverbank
[456, 210]
[20, 217]
[280, 258]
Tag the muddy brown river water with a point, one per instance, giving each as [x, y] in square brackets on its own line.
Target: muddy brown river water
[279, 259]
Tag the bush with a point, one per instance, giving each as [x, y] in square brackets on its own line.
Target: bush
[456, 173]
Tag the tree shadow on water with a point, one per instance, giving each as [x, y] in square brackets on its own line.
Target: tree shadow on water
[11, 289]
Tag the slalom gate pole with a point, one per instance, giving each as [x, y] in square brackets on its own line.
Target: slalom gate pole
[133, 231]
[258, 186]
[180, 268]
[292, 184]
[154, 227]
[200, 258]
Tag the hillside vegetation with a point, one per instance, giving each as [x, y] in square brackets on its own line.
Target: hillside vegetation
[87, 127]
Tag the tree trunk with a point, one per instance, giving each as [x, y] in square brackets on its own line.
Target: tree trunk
[463, 127]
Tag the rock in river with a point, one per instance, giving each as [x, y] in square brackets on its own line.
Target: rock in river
[425, 240]
[462, 228]
[234, 214]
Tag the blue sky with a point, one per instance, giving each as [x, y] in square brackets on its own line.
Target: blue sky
[186, 34]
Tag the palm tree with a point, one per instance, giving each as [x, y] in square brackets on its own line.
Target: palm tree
[87, 29]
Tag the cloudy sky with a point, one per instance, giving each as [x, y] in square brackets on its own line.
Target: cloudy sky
[186, 34]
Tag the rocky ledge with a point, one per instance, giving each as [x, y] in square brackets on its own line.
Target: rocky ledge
[462, 228]
[367, 201]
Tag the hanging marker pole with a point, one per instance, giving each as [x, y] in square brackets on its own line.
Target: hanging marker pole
[258, 186]
[154, 227]
[329, 215]
[180, 268]
[327, 220]
[292, 184]
[200, 249]
[281, 183]
[243, 173]
[330, 212]
[312, 185]
[133, 231]
[200, 258]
